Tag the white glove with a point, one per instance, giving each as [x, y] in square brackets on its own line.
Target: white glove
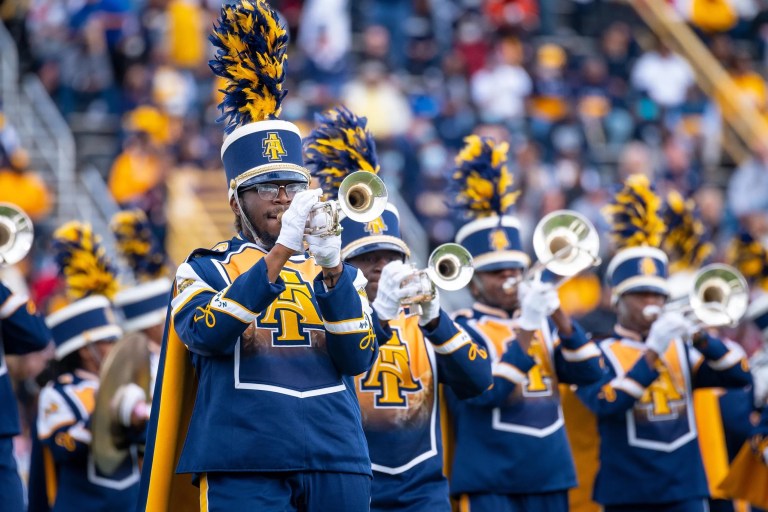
[430, 310]
[538, 300]
[668, 326]
[129, 400]
[326, 250]
[390, 293]
[294, 220]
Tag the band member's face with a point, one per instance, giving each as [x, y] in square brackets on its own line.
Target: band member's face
[629, 310]
[370, 264]
[488, 288]
[263, 213]
[94, 354]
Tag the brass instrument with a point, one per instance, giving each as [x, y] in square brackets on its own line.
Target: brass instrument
[719, 297]
[362, 198]
[565, 243]
[449, 267]
[16, 234]
[128, 362]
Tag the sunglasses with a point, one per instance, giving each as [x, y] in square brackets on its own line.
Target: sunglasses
[270, 191]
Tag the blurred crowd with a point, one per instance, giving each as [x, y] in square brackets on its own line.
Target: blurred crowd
[573, 86]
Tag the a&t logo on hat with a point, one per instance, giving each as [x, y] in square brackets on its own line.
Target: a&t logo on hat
[274, 150]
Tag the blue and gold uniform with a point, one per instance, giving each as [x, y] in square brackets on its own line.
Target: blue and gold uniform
[649, 450]
[261, 357]
[511, 439]
[511, 452]
[399, 396]
[22, 331]
[280, 352]
[649, 446]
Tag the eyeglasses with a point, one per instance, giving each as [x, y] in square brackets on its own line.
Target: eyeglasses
[270, 191]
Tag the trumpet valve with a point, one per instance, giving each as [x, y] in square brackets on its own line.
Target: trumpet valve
[425, 289]
[324, 220]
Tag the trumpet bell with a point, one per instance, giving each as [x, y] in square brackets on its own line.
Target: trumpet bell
[450, 267]
[362, 196]
[720, 295]
[566, 242]
[16, 234]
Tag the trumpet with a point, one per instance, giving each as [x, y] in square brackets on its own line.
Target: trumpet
[16, 234]
[362, 198]
[565, 243]
[449, 267]
[719, 297]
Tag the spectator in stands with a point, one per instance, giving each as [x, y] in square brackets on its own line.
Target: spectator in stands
[373, 94]
[326, 39]
[748, 186]
[24, 188]
[501, 87]
[670, 92]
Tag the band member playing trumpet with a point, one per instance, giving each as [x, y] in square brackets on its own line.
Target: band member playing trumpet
[399, 395]
[84, 332]
[649, 452]
[275, 335]
[511, 449]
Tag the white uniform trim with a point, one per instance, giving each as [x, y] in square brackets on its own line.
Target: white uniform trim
[586, 351]
[629, 386]
[509, 372]
[458, 340]
[11, 304]
[352, 326]
[730, 359]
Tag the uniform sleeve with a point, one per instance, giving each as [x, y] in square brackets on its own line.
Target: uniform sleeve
[613, 394]
[508, 372]
[462, 364]
[577, 359]
[59, 428]
[208, 317]
[716, 364]
[349, 331]
[22, 329]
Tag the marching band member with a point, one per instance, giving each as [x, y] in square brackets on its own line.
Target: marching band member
[84, 332]
[22, 331]
[722, 414]
[274, 336]
[399, 396]
[143, 306]
[649, 454]
[511, 451]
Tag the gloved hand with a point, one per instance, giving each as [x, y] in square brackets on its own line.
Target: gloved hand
[538, 300]
[326, 250]
[668, 326]
[430, 310]
[390, 293]
[294, 220]
[129, 405]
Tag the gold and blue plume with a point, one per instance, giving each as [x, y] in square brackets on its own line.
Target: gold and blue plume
[137, 245]
[686, 241]
[750, 258]
[339, 145]
[481, 179]
[634, 214]
[83, 262]
[251, 50]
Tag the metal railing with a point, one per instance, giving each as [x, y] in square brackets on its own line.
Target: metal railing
[713, 79]
[9, 73]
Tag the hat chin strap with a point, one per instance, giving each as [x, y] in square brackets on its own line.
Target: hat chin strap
[247, 223]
